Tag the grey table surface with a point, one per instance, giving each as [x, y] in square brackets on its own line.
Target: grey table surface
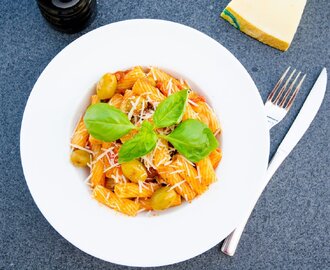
[289, 228]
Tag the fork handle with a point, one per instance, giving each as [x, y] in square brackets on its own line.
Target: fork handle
[231, 242]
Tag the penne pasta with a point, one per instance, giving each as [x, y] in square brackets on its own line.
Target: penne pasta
[110, 199]
[80, 135]
[144, 87]
[97, 174]
[97, 167]
[94, 99]
[107, 145]
[116, 100]
[158, 75]
[202, 113]
[206, 171]
[116, 174]
[214, 124]
[173, 178]
[162, 77]
[189, 173]
[177, 201]
[206, 115]
[151, 80]
[129, 135]
[168, 87]
[145, 204]
[126, 81]
[161, 154]
[215, 157]
[132, 190]
[124, 106]
[189, 113]
[195, 98]
[92, 140]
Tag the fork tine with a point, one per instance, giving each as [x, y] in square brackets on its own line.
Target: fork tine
[294, 95]
[280, 93]
[272, 93]
[288, 91]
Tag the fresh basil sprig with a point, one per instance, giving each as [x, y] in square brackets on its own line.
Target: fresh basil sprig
[140, 145]
[193, 139]
[170, 111]
[107, 123]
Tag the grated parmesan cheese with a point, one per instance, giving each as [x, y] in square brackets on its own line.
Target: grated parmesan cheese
[177, 185]
[148, 160]
[134, 106]
[102, 155]
[192, 103]
[188, 171]
[142, 110]
[161, 161]
[168, 163]
[81, 148]
[140, 186]
[109, 168]
[217, 132]
[169, 87]
[199, 175]
[153, 74]
[141, 210]
[146, 94]
[111, 161]
[88, 178]
[192, 164]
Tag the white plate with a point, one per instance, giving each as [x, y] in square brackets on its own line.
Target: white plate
[60, 96]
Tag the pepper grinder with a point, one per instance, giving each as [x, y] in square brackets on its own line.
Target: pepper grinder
[68, 16]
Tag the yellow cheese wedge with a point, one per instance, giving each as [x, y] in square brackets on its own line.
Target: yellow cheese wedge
[273, 22]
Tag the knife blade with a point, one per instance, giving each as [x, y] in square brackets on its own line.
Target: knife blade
[306, 114]
[298, 128]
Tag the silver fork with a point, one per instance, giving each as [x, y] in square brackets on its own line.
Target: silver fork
[279, 102]
[277, 106]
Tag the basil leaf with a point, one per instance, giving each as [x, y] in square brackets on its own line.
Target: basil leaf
[140, 145]
[106, 123]
[170, 110]
[193, 139]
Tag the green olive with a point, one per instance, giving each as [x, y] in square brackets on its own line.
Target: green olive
[106, 87]
[134, 170]
[80, 158]
[163, 198]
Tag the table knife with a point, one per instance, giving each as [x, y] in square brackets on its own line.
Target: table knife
[303, 120]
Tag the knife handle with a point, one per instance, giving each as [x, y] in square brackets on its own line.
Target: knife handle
[231, 242]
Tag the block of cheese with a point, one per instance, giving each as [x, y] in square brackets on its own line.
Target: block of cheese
[273, 22]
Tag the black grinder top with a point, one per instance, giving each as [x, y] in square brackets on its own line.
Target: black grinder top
[68, 15]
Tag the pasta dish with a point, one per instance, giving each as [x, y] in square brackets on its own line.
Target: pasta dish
[148, 141]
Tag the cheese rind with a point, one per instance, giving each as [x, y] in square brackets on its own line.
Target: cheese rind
[273, 22]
